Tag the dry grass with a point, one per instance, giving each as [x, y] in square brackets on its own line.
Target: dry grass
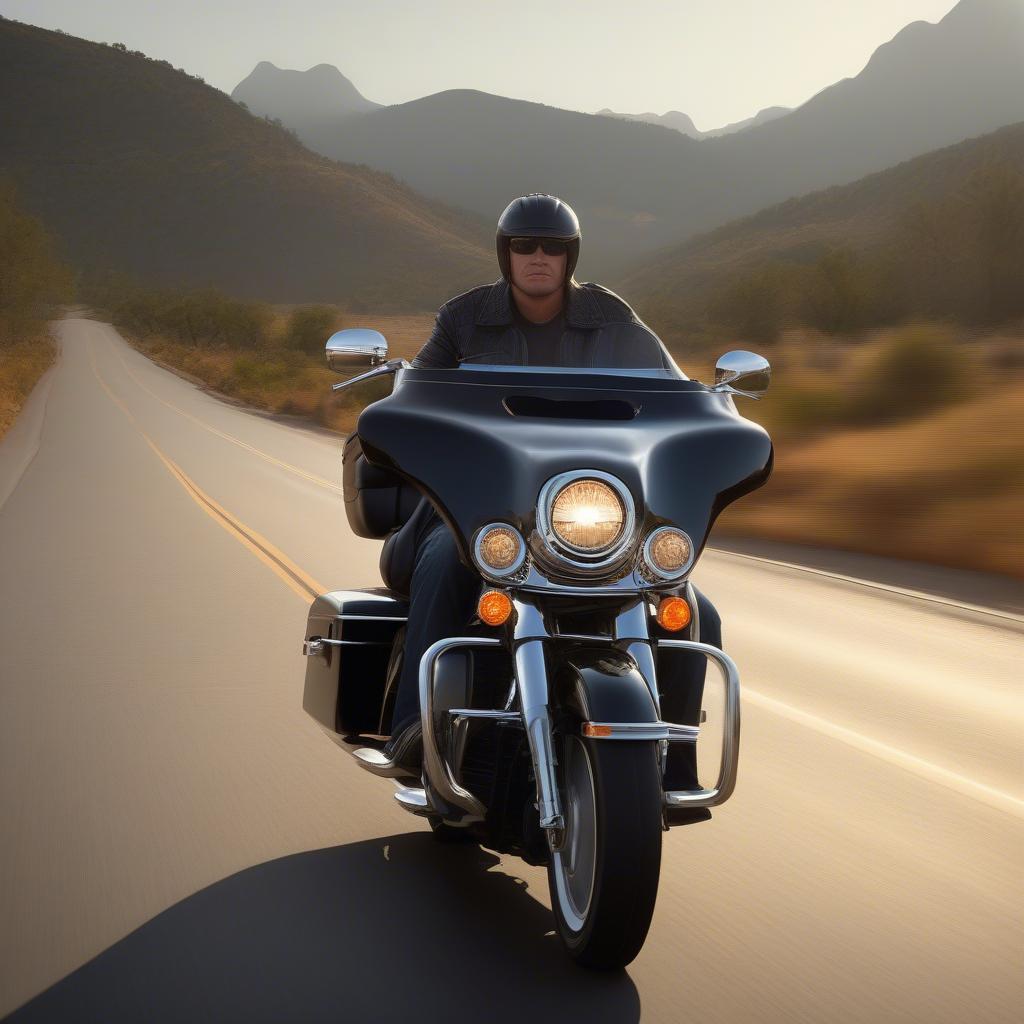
[21, 366]
[944, 486]
[287, 382]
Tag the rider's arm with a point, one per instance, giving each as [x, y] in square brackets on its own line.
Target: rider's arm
[440, 352]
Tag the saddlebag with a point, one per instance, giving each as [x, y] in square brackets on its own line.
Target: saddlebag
[346, 677]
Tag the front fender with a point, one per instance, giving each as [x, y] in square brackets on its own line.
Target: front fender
[601, 684]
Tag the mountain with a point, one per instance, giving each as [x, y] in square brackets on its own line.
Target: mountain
[143, 169]
[305, 101]
[674, 119]
[639, 187]
[678, 283]
[681, 122]
[761, 117]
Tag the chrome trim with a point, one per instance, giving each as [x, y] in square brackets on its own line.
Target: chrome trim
[488, 570]
[691, 600]
[741, 367]
[632, 625]
[414, 801]
[628, 581]
[537, 582]
[597, 561]
[355, 346]
[497, 716]
[391, 366]
[529, 622]
[435, 767]
[319, 644]
[531, 677]
[376, 762]
[645, 731]
[660, 574]
[726, 781]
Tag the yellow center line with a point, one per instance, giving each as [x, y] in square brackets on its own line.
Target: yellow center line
[312, 477]
[298, 581]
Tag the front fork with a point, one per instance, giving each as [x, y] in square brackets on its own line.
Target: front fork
[529, 635]
[528, 638]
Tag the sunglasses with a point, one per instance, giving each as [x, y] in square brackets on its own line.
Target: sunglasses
[528, 246]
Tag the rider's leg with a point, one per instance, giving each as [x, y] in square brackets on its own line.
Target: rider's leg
[682, 690]
[442, 597]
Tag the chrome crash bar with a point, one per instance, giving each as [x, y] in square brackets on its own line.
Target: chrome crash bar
[434, 765]
[532, 686]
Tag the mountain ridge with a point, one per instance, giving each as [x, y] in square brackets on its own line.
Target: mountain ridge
[146, 170]
[677, 282]
[639, 187]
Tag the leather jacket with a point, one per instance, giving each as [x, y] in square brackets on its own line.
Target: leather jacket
[600, 330]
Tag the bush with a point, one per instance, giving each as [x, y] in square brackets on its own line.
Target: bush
[309, 328]
[919, 368]
[202, 319]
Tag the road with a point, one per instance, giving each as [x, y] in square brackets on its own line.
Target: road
[181, 843]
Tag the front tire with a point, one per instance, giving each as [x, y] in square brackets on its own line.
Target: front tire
[604, 880]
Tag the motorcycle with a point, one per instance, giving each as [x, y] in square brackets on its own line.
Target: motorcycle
[583, 499]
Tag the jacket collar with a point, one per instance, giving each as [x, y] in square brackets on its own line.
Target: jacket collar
[581, 308]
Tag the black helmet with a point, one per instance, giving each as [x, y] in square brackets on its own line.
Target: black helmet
[538, 216]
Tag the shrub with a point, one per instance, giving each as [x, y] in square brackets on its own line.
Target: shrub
[309, 327]
[917, 369]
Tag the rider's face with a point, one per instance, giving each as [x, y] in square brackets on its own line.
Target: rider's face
[537, 273]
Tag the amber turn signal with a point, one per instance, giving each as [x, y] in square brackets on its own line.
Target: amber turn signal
[494, 608]
[673, 614]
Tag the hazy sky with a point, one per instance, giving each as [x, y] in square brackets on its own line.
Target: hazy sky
[717, 60]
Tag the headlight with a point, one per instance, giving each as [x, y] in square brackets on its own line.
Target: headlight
[668, 552]
[500, 549]
[588, 516]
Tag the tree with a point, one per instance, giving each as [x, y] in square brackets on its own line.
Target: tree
[31, 276]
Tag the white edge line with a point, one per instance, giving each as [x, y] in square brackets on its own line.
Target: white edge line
[918, 766]
[919, 595]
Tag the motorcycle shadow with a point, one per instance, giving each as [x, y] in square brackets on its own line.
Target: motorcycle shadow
[400, 928]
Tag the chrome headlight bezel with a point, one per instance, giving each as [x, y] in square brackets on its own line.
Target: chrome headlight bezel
[485, 568]
[652, 567]
[566, 555]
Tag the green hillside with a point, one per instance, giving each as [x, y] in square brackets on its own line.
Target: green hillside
[954, 213]
[143, 169]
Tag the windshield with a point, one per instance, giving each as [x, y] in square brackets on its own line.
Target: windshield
[658, 373]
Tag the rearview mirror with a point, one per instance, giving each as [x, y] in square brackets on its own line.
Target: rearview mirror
[356, 348]
[742, 373]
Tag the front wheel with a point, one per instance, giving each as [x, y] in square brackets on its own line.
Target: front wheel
[604, 879]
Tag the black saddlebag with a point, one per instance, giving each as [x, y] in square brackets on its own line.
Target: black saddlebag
[376, 501]
[345, 684]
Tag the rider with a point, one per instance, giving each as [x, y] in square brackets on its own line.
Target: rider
[536, 314]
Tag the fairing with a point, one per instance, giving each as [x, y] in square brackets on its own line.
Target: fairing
[481, 444]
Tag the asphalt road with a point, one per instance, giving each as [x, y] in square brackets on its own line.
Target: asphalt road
[173, 821]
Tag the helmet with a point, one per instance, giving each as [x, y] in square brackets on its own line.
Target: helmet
[538, 216]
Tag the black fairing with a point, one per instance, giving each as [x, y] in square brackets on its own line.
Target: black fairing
[481, 444]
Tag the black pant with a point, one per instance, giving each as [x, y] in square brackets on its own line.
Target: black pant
[442, 600]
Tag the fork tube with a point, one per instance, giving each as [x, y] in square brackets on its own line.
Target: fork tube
[532, 684]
